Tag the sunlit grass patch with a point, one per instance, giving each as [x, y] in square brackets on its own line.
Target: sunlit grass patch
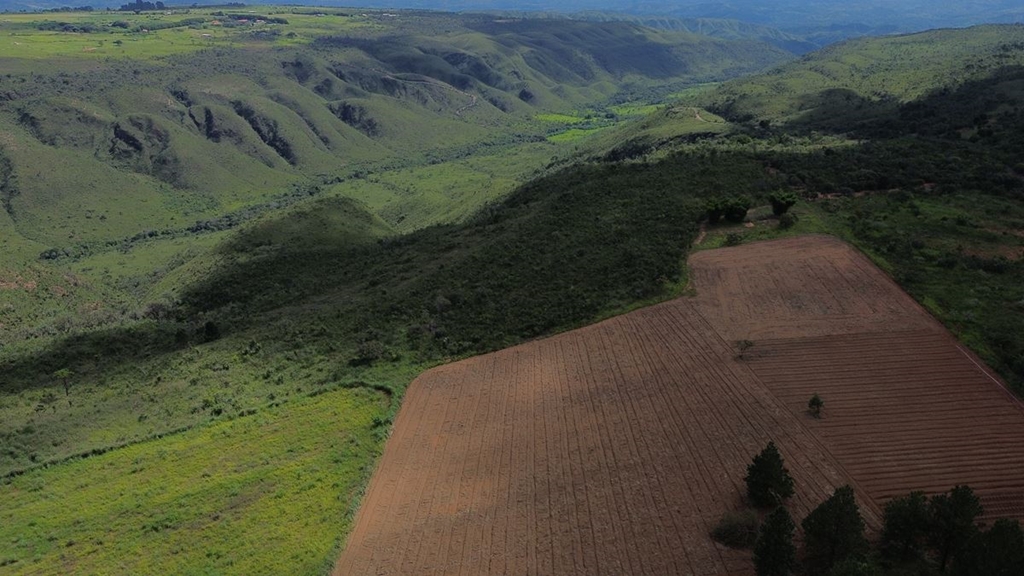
[561, 118]
[693, 91]
[269, 493]
[575, 134]
[148, 35]
[635, 109]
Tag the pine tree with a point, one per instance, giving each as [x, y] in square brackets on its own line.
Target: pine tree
[814, 406]
[834, 531]
[774, 552]
[952, 521]
[905, 527]
[768, 481]
[999, 551]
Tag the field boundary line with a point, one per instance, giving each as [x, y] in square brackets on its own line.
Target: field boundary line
[1016, 401]
[865, 498]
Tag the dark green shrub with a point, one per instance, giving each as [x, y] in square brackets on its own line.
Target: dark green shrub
[368, 352]
[787, 220]
[211, 331]
[855, 567]
[999, 551]
[715, 210]
[736, 208]
[814, 406]
[737, 529]
[781, 202]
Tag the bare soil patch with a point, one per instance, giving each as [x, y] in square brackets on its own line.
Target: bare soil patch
[614, 449]
[906, 406]
[799, 287]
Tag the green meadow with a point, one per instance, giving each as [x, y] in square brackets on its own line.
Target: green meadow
[151, 35]
[209, 500]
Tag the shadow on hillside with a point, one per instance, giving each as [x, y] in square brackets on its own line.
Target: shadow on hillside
[573, 245]
[94, 352]
[978, 106]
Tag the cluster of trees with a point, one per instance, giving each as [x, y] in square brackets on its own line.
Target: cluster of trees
[77, 27]
[139, 6]
[734, 208]
[70, 9]
[934, 534]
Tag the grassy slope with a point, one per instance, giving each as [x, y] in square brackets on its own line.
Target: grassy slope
[716, 27]
[379, 309]
[320, 150]
[286, 333]
[202, 501]
[931, 185]
[233, 125]
[869, 75]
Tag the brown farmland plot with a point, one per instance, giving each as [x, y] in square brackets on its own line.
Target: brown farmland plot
[906, 406]
[614, 449]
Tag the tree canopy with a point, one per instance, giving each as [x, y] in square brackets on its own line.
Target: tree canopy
[774, 552]
[768, 480]
[834, 531]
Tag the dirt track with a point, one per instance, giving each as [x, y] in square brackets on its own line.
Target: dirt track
[614, 449]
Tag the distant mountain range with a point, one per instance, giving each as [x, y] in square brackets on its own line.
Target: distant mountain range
[817, 22]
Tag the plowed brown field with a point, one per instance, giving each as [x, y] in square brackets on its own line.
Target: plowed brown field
[615, 448]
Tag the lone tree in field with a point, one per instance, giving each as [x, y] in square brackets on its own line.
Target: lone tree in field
[905, 527]
[952, 521]
[774, 552]
[743, 346]
[833, 532]
[814, 406]
[768, 481]
[64, 375]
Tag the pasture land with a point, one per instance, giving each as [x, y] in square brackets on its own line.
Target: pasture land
[211, 500]
[103, 34]
[616, 447]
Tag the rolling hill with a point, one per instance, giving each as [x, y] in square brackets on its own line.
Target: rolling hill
[861, 78]
[255, 242]
[225, 123]
[170, 183]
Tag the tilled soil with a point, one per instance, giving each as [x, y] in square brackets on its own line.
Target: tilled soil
[615, 448]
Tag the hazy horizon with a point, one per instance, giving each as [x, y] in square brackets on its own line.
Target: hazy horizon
[787, 15]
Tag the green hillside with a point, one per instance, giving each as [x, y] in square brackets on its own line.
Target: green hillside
[910, 148]
[854, 80]
[172, 127]
[278, 316]
[715, 27]
[212, 315]
[230, 239]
